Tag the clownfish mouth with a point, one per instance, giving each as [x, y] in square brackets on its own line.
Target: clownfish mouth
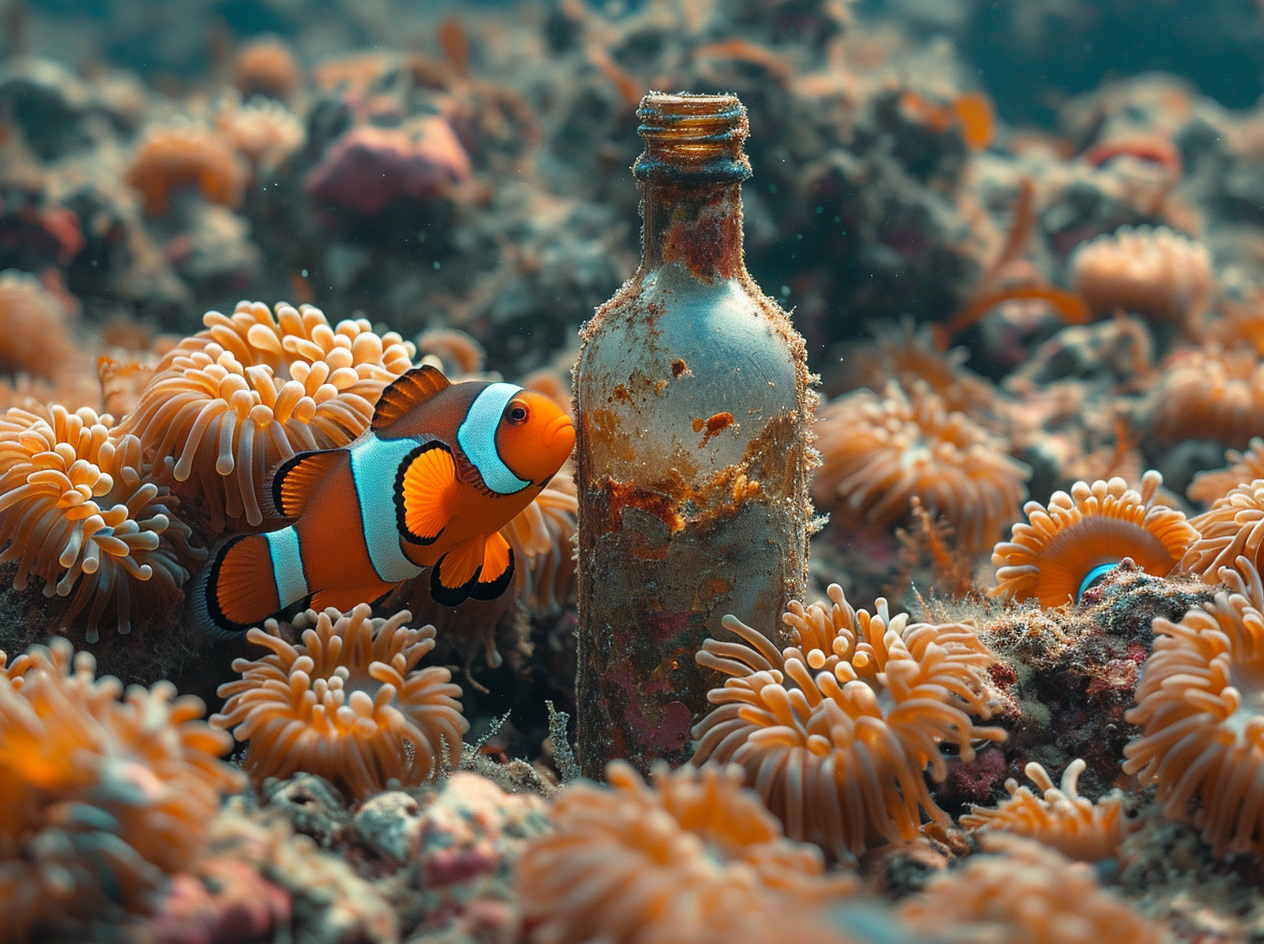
[560, 432]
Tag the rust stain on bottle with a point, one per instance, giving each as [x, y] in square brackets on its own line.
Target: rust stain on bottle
[712, 425]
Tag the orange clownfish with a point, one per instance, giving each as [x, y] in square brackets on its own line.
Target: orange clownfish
[440, 470]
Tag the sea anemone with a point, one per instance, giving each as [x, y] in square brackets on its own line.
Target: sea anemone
[186, 155]
[1243, 467]
[347, 703]
[836, 730]
[102, 793]
[78, 511]
[907, 353]
[1210, 394]
[1025, 894]
[250, 390]
[880, 451]
[459, 355]
[1232, 527]
[690, 859]
[266, 66]
[263, 130]
[1058, 817]
[1198, 706]
[1151, 271]
[35, 335]
[1068, 544]
[542, 536]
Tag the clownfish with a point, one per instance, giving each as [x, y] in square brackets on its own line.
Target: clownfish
[440, 470]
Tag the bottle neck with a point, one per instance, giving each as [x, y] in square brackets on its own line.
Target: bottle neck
[698, 227]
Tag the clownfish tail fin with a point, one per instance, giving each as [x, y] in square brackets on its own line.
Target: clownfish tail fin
[237, 588]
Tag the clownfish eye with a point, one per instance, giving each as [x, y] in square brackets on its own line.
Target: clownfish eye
[516, 414]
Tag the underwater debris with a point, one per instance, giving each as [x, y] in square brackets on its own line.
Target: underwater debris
[835, 730]
[1066, 546]
[78, 511]
[104, 792]
[1198, 709]
[880, 451]
[1058, 817]
[347, 702]
[690, 858]
[676, 529]
[251, 389]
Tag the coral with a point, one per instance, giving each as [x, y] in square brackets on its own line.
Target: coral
[78, 511]
[1026, 894]
[1209, 393]
[1066, 545]
[263, 130]
[35, 334]
[1244, 467]
[266, 66]
[249, 390]
[347, 703]
[1198, 706]
[1232, 527]
[688, 859]
[101, 794]
[835, 730]
[1150, 271]
[186, 155]
[370, 168]
[907, 354]
[459, 355]
[1058, 817]
[880, 451]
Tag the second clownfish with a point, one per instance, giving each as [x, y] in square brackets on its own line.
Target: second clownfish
[440, 470]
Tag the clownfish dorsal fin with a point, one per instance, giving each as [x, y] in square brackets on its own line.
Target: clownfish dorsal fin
[297, 476]
[425, 490]
[405, 392]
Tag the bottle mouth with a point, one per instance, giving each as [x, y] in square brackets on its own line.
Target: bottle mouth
[692, 138]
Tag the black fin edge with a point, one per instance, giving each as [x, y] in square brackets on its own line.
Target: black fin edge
[493, 589]
[451, 597]
[205, 603]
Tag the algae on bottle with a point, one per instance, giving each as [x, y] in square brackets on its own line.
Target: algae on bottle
[693, 453]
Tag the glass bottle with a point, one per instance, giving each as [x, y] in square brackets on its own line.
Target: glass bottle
[692, 461]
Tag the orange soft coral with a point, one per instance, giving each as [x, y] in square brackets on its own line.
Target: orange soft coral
[1199, 709]
[1210, 394]
[77, 511]
[836, 730]
[1058, 817]
[100, 798]
[250, 390]
[1232, 527]
[1064, 546]
[186, 155]
[347, 703]
[1151, 271]
[690, 859]
[266, 66]
[35, 334]
[1026, 894]
[880, 452]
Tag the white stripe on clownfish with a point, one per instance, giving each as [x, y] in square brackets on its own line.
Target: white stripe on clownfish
[287, 565]
[477, 438]
[375, 463]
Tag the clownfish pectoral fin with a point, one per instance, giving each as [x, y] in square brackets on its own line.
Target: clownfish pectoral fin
[296, 477]
[454, 577]
[237, 588]
[405, 392]
[498, 569]
[425, 491]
